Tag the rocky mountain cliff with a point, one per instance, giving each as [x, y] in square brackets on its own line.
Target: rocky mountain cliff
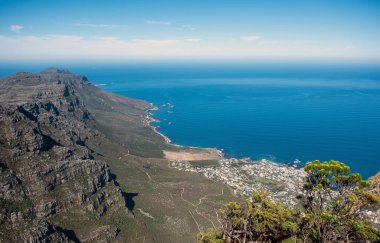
[46, 168]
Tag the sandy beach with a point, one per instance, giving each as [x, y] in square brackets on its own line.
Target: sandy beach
[192, 155]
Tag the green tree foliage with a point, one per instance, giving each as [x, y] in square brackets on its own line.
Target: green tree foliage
[260, 220]
[332, 205]
[333, 202]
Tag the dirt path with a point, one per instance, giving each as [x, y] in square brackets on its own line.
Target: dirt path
[196, 206]
[140, 237]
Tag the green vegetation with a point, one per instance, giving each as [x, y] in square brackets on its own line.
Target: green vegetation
[261, 220]
[332, 204]
[204, 163]
[15, 206]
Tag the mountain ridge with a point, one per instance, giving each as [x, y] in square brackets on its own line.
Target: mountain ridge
[43, 136]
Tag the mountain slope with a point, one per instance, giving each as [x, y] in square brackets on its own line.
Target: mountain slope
[80, 164]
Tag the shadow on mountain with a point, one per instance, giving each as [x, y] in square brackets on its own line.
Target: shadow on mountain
[128, 197]
[69, 233]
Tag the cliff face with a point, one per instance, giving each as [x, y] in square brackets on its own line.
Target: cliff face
[46, 168]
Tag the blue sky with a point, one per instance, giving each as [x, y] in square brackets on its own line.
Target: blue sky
[197, 29]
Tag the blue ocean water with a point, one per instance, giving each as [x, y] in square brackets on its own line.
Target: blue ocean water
[273, 111]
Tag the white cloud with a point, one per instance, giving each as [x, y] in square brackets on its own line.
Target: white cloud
[158, 22]
[69, 38]
[111, 47]
[349, 47]
[250, 38]
[92, 25]
[188, 27]
[185, 27]
[108, 38]
[158, 42]
[71, 46]
[16, 28]
[193, 40]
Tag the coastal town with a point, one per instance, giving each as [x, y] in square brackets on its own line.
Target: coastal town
[284, 182]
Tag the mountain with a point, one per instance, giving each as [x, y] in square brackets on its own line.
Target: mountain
[79, 164]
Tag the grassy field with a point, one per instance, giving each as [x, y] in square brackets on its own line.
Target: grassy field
[204, 163]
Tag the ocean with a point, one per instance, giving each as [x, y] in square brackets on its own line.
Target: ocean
[280, 112]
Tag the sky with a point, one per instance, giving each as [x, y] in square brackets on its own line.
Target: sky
[192, 29]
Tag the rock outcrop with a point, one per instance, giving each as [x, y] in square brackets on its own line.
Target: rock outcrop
[46, 167]
[374, 213]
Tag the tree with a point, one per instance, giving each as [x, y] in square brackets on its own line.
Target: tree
[331, 210]
[333, 202]
[260, 220]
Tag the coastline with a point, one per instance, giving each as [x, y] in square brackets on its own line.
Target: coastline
[167, 139]
[150, 119]
[188, 152]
